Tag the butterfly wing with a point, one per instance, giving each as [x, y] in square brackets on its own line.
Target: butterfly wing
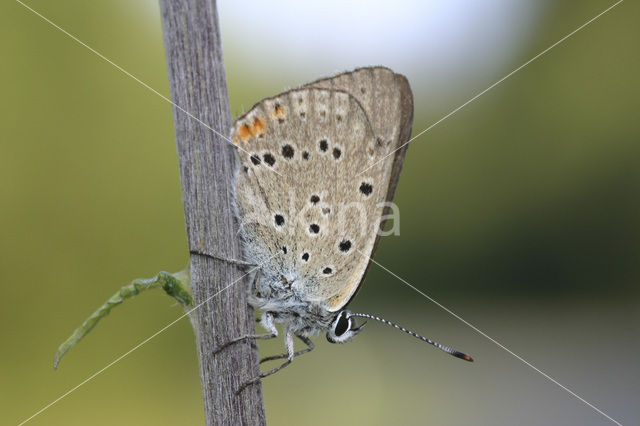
[305, 213]
[388, 102]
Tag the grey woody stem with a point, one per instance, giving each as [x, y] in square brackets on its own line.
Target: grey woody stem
[199, 92]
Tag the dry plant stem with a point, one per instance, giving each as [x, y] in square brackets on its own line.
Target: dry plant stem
[198, 85]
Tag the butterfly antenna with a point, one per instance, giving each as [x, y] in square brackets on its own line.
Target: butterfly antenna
[448, 350]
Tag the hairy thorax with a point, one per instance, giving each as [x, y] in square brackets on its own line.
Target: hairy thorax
[278, 296]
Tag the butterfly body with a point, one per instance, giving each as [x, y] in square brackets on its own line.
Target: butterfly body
[305, 214]
[317, 169]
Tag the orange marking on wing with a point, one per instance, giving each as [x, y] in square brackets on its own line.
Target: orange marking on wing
[278, 112]
[244, 132]
[258, 127]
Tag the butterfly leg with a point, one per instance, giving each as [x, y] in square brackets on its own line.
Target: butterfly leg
[288, 339]
[224, 259]
[309, 348]
[266, 321]
[254, 283]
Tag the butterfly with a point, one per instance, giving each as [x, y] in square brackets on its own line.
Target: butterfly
[318, 167]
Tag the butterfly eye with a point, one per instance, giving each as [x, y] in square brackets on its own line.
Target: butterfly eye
[343, 328]
[342, 325]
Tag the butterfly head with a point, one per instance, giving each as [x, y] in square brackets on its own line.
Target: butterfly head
[343, 328]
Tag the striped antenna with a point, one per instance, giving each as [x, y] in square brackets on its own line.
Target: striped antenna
[448, 350]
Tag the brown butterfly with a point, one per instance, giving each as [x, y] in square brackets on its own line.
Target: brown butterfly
[319, 167]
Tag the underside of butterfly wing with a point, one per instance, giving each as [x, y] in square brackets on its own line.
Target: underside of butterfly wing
[306, 213]
[388, 102]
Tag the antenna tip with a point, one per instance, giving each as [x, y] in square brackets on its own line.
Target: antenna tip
[463, 356]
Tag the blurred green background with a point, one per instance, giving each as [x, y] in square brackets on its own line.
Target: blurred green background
[520, 213]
